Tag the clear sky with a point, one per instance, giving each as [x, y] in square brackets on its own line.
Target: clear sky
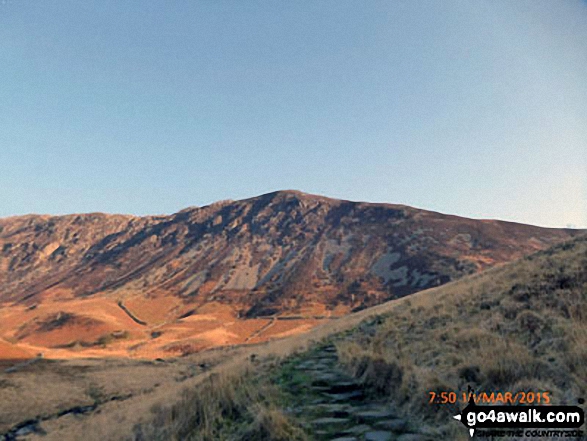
[476, 108]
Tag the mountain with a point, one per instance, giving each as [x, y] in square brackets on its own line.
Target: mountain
[399, 370]
[286, 254]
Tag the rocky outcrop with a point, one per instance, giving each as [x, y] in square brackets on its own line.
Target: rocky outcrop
[277, 252]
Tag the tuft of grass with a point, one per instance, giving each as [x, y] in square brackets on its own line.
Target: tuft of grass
[233, 404]
[270, 423]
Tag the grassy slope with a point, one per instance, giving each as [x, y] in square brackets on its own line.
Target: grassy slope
[519, 327]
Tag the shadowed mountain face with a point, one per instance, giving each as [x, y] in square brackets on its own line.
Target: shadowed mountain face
[275, 253]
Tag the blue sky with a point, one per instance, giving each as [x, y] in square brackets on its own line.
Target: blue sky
[471, 108]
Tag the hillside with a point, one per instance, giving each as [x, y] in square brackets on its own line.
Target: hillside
[228, 273]
[519, 329]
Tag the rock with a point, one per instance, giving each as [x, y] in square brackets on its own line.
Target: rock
[373, 413]
[320, 387]
[305, 365]
[378, 436]
[394, 424]
[343, 386]
[329, 421]
[316, 367]
[331, 407]
[413, 437]
[357, 430]
[347, 396]
[325, 378]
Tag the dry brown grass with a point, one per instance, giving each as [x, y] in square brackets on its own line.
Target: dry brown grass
[81, 328]
[232, 404]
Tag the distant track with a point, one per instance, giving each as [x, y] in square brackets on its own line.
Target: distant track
[130, 314]
[274, 319]
[300, 317]
[16, 367]
[261, 329]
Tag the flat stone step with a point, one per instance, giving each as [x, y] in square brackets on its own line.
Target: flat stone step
[358, 430]
[413, 437]
[343, 386]
[331, 407]
[394, 424]
[327, 377]
[374, 413]
[326, 356]
[321, 389]
[378, 435]
[321, 412]
[327, 421]
[315, 369]
[304, 365]
[356, 395]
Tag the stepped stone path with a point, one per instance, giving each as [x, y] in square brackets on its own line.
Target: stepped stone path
[333, 406]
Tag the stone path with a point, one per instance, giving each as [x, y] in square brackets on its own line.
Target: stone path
[333, 406]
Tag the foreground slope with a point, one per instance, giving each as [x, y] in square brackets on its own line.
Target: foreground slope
[95, 284]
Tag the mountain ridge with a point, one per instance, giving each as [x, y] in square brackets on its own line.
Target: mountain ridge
[284, 253]
[277, 193]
